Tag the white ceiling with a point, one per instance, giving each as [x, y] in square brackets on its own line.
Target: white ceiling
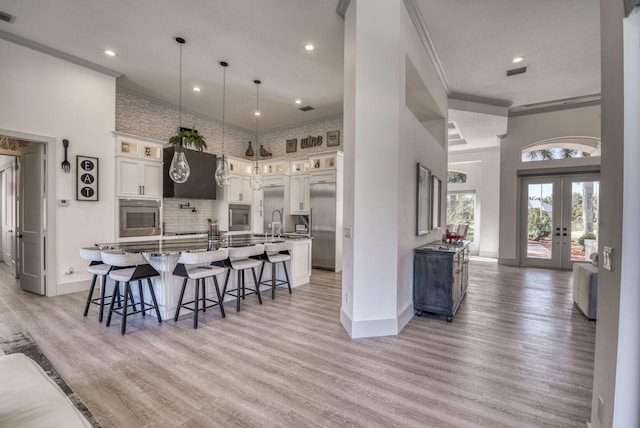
[474, 40]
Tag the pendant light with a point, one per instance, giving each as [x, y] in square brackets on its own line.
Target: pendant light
[179, 170]
[257, 179]
[222, 168]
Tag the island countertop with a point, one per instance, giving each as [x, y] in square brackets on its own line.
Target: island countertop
[165, 247]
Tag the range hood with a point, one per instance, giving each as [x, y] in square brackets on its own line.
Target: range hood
[201, 183]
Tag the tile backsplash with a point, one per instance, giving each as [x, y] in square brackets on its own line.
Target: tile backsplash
[192, 219]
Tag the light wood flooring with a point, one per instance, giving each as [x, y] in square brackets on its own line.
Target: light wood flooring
[518, 354]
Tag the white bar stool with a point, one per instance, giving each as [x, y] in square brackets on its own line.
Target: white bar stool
[97, 269]
[274, 253]
[241, 259]
[127, 268]
[198, 266]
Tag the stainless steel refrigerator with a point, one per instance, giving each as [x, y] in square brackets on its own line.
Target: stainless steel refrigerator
[273, 198]
[323, 225]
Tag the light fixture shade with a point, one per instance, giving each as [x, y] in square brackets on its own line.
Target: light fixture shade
[222, 172]
[179, 171]
[257, 178]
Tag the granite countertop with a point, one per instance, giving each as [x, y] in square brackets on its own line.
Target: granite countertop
[165, 247]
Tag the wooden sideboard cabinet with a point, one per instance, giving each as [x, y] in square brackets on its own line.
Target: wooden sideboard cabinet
[440, 278]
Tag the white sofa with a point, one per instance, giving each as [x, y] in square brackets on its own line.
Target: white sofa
[29, 398]
[585, 288]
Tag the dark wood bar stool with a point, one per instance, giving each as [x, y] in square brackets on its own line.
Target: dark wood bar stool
[241, 259]
[98, 269]
[275, 253]
[198, 266]
[127, 268]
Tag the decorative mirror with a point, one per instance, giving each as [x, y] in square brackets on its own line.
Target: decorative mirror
[436, 196]
[423, 224]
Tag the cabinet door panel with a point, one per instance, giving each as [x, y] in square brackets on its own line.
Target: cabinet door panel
[152, 179]
[128, 177]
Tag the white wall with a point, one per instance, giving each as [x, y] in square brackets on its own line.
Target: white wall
[523, 131]
[48, 97]
[616, 378]
[483, 179]
[383, 141]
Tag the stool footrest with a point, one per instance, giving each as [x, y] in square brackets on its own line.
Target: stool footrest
[200, 308]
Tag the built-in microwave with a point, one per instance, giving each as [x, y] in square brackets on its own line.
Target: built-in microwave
[239, 217]
[139, 217]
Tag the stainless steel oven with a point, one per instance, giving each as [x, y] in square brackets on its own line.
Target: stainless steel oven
[239, 217]
[139, 217]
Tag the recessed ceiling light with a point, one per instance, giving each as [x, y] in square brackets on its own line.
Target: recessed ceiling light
[309, 47]
[517, 59]
[196, 89]
[257, 113]
[109, 52]
[298, 101]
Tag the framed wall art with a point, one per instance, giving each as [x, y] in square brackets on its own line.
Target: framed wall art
[333, 138]
[423, 200]
[436, 196]
[86, 178]
[292, 145]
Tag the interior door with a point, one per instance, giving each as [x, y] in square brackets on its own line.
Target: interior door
[559, 220]
[32, 220]
[9, 218]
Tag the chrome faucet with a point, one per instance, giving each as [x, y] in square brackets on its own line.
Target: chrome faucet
[276, 225]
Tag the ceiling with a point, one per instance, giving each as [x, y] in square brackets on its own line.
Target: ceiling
[474, 42]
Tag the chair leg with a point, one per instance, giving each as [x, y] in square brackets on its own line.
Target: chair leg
[273, 281]
[133, 302]
[184, 285]
[195, 304]
[118, 295]
[286, 275]
[90, 296]
[226, 282]
[238, 287]
[153, 298]
[141, 293]
[243, 285]
[261, 272]
[127, 292]
[204, 294]
[253, 271]
[215, 282]
[116, 288]
[103, 286]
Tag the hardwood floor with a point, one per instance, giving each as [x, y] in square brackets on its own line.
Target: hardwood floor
[518, 353]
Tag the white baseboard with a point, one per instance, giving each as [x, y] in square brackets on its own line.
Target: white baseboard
[376, 328]
[488, 254]
[73, 287]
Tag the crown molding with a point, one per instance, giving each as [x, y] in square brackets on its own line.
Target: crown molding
[18, 40]
[423, 34]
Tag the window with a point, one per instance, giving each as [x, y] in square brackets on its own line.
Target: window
[461, 208]
[456, 177]
[561, 148]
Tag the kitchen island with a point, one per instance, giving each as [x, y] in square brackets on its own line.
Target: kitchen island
[163, 255]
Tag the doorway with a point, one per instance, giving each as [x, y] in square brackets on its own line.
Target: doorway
[559, 223]
[33, 210]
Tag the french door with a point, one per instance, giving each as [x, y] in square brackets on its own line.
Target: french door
[559, 221]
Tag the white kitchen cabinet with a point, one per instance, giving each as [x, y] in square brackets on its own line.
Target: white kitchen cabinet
[300, 197]
[258, 221]
[239, 189]
[138, 167]
[301, 262]
[322, 176]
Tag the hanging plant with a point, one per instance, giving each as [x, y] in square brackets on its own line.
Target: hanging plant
[189, 137]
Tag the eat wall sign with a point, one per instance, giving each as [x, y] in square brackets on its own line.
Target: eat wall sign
[87, 178]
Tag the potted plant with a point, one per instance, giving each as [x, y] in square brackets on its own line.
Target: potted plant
[187, 138]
